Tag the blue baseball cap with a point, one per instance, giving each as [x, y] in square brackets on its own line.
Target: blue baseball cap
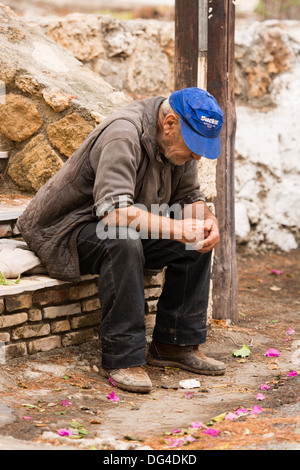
[201, 120]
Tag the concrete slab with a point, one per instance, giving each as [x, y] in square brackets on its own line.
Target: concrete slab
[12, 206]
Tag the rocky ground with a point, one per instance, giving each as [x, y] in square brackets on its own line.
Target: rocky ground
[44, 394]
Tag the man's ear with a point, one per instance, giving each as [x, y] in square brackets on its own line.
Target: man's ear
[170, 123]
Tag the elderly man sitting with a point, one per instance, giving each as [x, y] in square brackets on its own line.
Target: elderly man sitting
[128, 200]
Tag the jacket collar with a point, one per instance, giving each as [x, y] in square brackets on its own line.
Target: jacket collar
[149, 134]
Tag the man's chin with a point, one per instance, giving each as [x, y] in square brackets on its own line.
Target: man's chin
[178, 161]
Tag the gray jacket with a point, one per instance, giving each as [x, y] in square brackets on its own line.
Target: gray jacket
[120, 158]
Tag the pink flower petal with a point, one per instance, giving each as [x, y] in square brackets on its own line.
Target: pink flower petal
[290, 331]
[113, 397]
[64, 432]
[241, 411]
[256, 410]
[176, 431]
[189, 395]
[110, 380]
[265, 387]
[196, 424]
[176, 442]
[276, 271]
[211, 432]
[26, 417]
[230, 416]
[293, 373]
[66, 403]
[260, 396]
[272, 352]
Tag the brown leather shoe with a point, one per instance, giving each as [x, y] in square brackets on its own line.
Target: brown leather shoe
[132, 379]
[184, 357]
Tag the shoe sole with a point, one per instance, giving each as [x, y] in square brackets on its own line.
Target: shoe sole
[160, 363]
[127, 388]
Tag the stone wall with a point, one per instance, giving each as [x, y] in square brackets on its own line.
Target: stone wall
[268, 135]
[52, 101]
[49, 103]
[41, 314]
[136, 56]
[133, 55]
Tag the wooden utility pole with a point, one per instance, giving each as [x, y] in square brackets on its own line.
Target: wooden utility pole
[220, 78]
[186, 43]
[193, 18]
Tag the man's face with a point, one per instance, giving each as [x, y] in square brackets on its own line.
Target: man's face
[176, 151]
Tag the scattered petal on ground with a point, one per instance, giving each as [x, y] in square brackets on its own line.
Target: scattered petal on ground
[256, 410]
[260, 396]
[265, 387]
[276, 271]
[66, 403]
[293, 373]
[64, 432]
[230, 416]
[272, 352]
[290, 331]
[196, 424]
[241, 411]
[110, 380]
[113, 397]
[189, 395]
[211, 432]
[176, 442]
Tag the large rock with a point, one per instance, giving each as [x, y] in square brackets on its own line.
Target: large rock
[46, 98]
[262, 52]
[134, 55]
[34, 165]
[19, 118]
[68, 134]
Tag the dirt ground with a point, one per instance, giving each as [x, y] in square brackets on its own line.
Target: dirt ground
[42, 394]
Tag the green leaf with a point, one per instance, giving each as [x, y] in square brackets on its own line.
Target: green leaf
[75, 424]
[8, 282]
[80, 430]
[243, 352]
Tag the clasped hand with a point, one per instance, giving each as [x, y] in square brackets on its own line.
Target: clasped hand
[200, 235]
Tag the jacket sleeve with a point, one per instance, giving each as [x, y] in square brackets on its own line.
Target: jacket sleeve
[115, 159]
[188, 189]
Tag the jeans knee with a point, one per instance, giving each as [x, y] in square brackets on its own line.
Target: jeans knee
[127, 242]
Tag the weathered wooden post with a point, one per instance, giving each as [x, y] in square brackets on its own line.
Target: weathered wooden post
[186, 43]
[204, 57]
[220, 83]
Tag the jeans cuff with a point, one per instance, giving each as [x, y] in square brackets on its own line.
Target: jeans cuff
[184, 337]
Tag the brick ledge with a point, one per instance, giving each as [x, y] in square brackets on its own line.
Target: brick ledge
[36, 282]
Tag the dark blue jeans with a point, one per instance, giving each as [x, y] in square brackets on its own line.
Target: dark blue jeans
[120, 263]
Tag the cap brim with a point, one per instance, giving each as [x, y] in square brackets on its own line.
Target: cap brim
[204, 146]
